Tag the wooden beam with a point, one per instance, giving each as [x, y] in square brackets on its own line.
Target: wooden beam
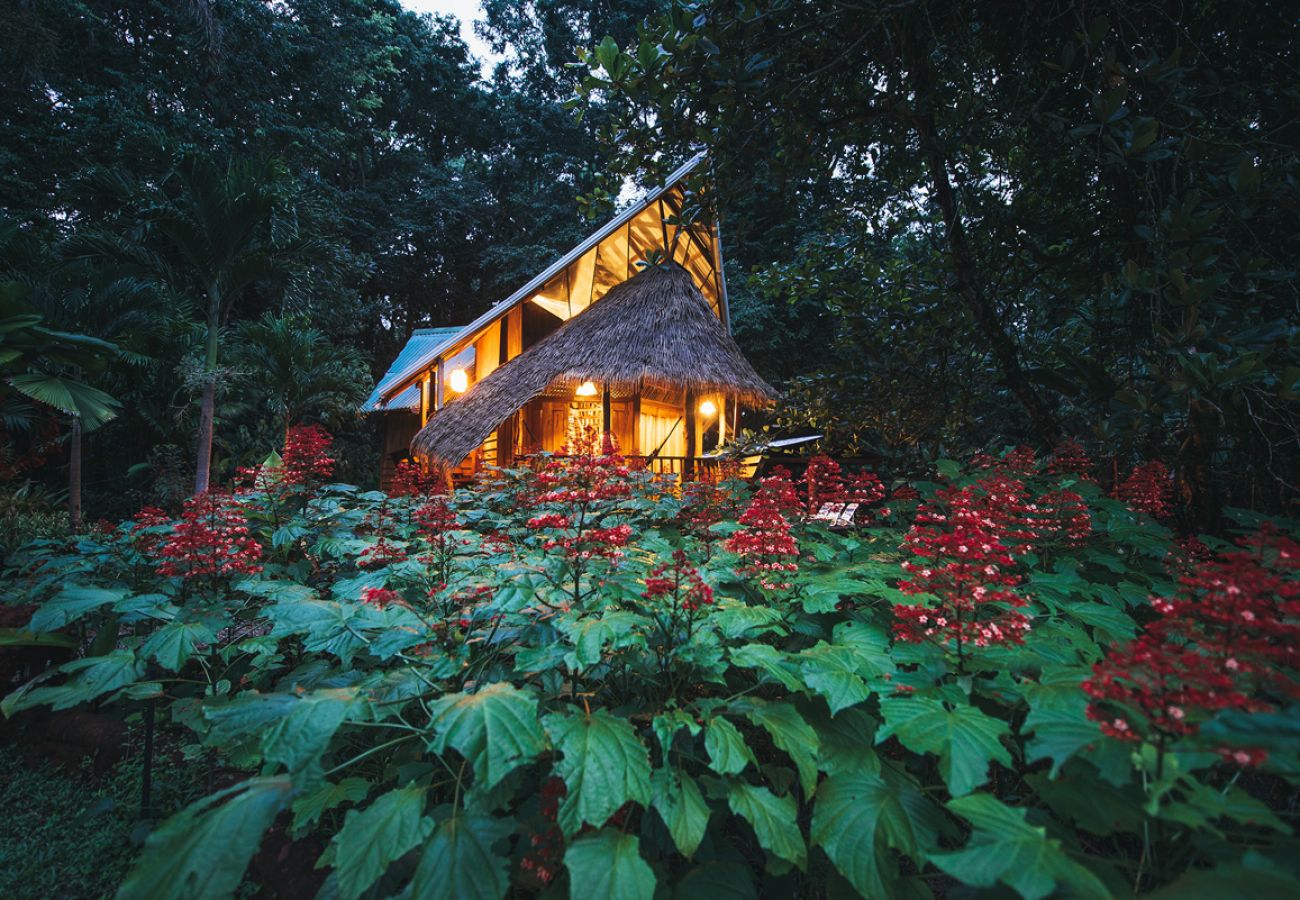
[688, 468]
[605, 411]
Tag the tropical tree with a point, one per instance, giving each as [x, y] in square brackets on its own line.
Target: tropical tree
[292, 370]
[210, 232]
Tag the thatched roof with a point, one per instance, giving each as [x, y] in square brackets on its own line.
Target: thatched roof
[653, 330]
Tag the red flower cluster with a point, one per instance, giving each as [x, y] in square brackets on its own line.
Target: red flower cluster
[307, 455]
[679, 583]
[546, 845]
[1020, 461]
[965, 570]
[823, 482]
[380, 597]
[1061, 518]
[1149, 489]
[1069, 458]
[143, 536]
[1228, 639]
[381, 553]
[411, 480]
[769, 551]
[212, 538]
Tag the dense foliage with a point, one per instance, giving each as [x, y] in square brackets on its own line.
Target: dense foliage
[572, 679]
[999, 221]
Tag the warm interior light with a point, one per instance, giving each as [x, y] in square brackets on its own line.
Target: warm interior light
[458, 381]
[707, 408]
[586, 389]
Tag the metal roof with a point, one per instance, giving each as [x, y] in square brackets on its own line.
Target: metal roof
[422, 341]
[399, 377]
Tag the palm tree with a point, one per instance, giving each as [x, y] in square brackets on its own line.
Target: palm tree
[210, 233]
[295, 369]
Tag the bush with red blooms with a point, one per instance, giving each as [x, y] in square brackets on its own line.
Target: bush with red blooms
[674, 594]
[212, 538]
[1069, 458]
[1149, 489]
[541, 861]
[306, 459]
[823, 483]
[965, 576]
[1229, 638]
[411, 479]
[1060, 520]
[380, 597]
[768, 551]
[705, 504]
[147, 534]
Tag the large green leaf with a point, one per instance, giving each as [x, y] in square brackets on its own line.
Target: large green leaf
[771, 662]
[372, 838]
[201, 852]
[291, 729]
[91, 405]
[789, 732]
[833, 672]
[70, 604]
[458, 862]
[680, 804]
[774, 820]
[608, 864]
[605, 765]
[309, 807]
[964, 738]
[495, 729]
[174, 644]
[1004, 847]
[91, 677]
[728, 752]
[1058, 719]
[855, 819]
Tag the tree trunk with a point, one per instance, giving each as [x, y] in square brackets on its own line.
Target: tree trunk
[208, 405]
[960, 258]
[74, 476]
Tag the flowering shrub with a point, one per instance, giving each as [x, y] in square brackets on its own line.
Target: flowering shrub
[575, 680]
[1148, 489]
[306, 458]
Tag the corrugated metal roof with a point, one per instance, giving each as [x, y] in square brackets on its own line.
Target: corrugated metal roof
[423, 343]
[427, 357]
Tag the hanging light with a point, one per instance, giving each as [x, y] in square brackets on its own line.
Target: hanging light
[707, 408]
[458, 381]
[586, 389]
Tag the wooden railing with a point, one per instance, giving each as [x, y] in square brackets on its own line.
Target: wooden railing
[679, 467]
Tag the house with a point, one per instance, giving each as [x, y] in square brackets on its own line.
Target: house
[628, 332]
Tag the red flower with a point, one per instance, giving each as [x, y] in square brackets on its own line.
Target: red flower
[411, 480]
[380, 553]
[965, 572]
[212, 538]
[306, 455]
[1229, 638]
[679, 583]
[143, 534]
[824, 483]
[769, 551]
[1069, 458]
[1149, 489]
[380, 597]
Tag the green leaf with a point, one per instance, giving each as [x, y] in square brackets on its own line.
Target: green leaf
[666, 725]
[173, 644]
[790, 733]
[458, 862]
[92, 677]
[965, 739]
[774, 820]
[495, 729]
[608, 864]
[845, 741]
[736, 619]
[70, 604]
[292, 729]
[309, 807]
[856, 817]
[728, 752]
[771, 662]
[373, 837]
[717, 881]
[1058, 720]
[680, 804]
[833, 673]
[201, 852]
[1004, 847]
[91, 405]
[605, 765]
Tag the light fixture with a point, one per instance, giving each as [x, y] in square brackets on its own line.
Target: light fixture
[707, 408]
[586, 389]
[458, 381]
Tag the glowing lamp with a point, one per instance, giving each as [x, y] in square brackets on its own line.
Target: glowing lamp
[586, 389]
[458, 381]
[707, 408]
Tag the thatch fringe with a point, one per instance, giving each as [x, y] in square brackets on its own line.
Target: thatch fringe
[653, 330]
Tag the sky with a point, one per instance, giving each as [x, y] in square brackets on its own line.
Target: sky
[465, 10]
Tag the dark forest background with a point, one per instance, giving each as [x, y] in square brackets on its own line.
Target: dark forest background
[948, 226]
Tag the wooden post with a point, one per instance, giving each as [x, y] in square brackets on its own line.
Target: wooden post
[425, 385]
[606, 417]
[688, 467]
[636, 448]
[441, 382]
